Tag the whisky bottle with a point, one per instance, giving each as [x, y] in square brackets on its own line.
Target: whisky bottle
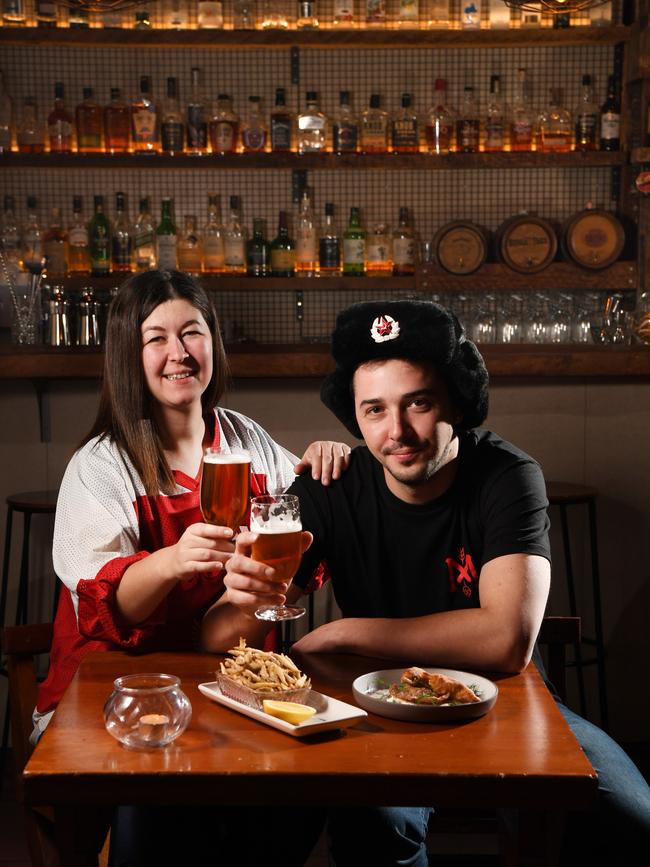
[172, 130]
[88, 116]
[343, 13]
[587, 119]
[55, 244]
[13, 13]
[610, 118]
[408, 13]
[78, 252]
[258, 253]
[60, 123]
[224, 127]
[470, 14]
[439, 128]
[521, 119]
[468, 125]
[10, 234]
[405, 137]
[30, 133]
[375, 13]
[210, 14]
[495, 122]
[283, 250]
[354, 247]
[197, 125]
[404, 249]
[329, 245]
[312, 127]
[145, 120]
[374, 127]
[99, 240]
[554, 126]
[46, 13]
[32, 253]
[345, 130]
[213, 239]
[379, 253]
[121, 240]
[234, 241]
[144, 238]
[189, 247]
[274, 15]
[306, 18]
[254, 131]
[281, 124]
[306, 255]
[6, 117]
[142, 19]
[166, 238]
[177, 14]
[117, 124]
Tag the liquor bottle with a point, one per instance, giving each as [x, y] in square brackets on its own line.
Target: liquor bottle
[306, 18]
[329, 245]
[495, 121]
[234, 241]
[78, 18]
[468, 124]
[243, 15]
[224, 127]
[531, 16]
[60, 123]
[408, 13]
[343, 13]
[10, 234]
[439, 127]
[354, 247]
[610, 118]
[46, 13]
[405, 136]
[306, 255]
[258, 252]
[32, 252]
[254, 131]
[213, 239]
[374, 127]
[55, 244]
[30, 133]
[142, 19]
[172, 131]
[312, 127]
[145, 120]
[404, 249]
[88, 117]
[13, 13]
[379, 253]
[345, 129]
[117, 124]
[144, 238]
[177, 15]
[166, 238]
[283, 250]
[189, 247]
[99, 240]
[587, 118]
[121, 238]
[197, 125]
[499, 15]
[554, 126]
[281, 124]
[210, 14]
[375, 13]
[438, 16]
[522, 121]
[6, 117]
[78, 250]
[274, 15]
[470, 14]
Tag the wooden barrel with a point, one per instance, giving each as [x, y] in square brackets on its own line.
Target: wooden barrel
[593, 238]
[526, 244]
[460, 247]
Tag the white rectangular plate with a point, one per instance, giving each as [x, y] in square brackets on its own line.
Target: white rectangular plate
[330, 712]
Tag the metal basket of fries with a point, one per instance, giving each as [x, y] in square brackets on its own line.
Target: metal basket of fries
[253, 676]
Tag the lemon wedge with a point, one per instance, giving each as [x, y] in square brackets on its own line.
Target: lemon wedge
[289, 711]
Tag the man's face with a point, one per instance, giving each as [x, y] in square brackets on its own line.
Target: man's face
[406, 418]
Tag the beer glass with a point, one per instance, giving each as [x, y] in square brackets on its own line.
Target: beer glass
[276, 520]
[225, 487]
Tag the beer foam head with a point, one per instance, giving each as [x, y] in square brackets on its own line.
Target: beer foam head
[276, 524]
[221, 458]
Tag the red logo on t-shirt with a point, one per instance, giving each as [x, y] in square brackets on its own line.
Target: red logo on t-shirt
[461, 571]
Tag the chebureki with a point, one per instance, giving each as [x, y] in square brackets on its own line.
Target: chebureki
[418, 686]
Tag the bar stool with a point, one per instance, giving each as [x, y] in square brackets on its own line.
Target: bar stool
[563, 495]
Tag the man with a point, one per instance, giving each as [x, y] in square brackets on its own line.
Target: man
[436, 538]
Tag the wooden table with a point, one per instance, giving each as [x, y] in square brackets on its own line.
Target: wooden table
[521, 754]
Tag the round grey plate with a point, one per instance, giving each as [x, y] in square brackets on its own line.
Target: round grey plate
[368, 683]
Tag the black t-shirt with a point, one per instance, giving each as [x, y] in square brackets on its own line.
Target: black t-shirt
[388, 558]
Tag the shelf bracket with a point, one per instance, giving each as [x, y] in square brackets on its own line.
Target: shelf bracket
[42, 389]
[295, 65]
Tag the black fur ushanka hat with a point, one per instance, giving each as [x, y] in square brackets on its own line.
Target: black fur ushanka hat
[415, 331]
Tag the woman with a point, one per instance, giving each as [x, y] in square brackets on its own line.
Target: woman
[139, 566]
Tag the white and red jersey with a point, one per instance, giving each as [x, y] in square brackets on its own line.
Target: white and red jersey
[105, 522]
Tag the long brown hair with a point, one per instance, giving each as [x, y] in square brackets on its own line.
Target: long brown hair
[125, 411]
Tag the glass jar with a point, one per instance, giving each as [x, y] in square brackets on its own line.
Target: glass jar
[642, 318]
[147, 710]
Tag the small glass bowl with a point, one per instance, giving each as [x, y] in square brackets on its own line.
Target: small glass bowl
[147, 710]
[254, 697]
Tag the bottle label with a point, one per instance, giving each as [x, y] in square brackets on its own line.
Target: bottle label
[610, 126]
[172, 136]
[467, 133]
[60, 133]
[405, 134]
[343, 10]
[78, 236]
[144, 237]
[306, 245]
[354, 251]
[404, 252]
[254, 138]
[167, 251]
[329, 253]
[210, 13]
[375, 11]
[345, 137]
[377, 251]
[280, 134]
[283, 260]
[586, 128]
[121, 251]
[213, 251]
[408, 10]
[89, 140]
[521, 132]
[494, 133]
[224, 136]
[197, 128]
[144, 125]
[233, 252]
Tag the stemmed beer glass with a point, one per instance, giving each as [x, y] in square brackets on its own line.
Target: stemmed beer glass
[225, 487]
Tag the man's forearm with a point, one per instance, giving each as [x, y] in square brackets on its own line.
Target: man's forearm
[224, 624]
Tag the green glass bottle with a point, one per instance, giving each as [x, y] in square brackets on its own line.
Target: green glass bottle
[99, 240]
[166, 238]
[354, 247]
[283, 251]
[258, 254]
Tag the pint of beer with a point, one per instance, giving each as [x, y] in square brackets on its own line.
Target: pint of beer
[225, 487]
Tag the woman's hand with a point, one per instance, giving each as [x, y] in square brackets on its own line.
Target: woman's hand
[250, 584]
[202, 548]
[327, 459]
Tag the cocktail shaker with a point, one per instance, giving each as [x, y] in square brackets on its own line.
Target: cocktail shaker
[59, 322]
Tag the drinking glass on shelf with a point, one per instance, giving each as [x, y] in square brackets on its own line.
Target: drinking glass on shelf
[225, 487]
[510, 327]
[276, 520]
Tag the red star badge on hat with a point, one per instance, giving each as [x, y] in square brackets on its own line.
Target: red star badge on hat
[384, 328]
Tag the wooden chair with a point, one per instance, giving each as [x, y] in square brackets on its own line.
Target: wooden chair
[555, 635]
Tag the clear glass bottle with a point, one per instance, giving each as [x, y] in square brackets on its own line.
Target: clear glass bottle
[405, 133]
[345, 129]
[554, 126]
[234, 241]
[329, 245]
[374, 127]
[275, 15]
[404, 246]
[32, 251]
[306, 18]
[610, 118]
[468, 124]
[254, 130]
[438, 17]
[343, 14]
[145, 120]
[224, 127]
[408, 13]
[144, 238]
[46, 13]
[213, 239]
[522, 120]
[196, 122]
[189, 247]
[166, 238]
[10, 234]
[6, 117]
[88, 116]
[306, 241]
[117, 124]
[375, 13]
[55, 246]
[177, 15]
[312, 127]
[499, 15]
[258, 252]
[121, 238]
[13, 13]
[439, 128]
[495, 119]
[470, 14]
[60, 123]
[78, 250]
[99, 240]
[283, 250]
[354, 247]
[243, 14]
[379, 253]
[282, 124]
[587, 118]
[210, 14]
[30, 134]
[172, 129]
